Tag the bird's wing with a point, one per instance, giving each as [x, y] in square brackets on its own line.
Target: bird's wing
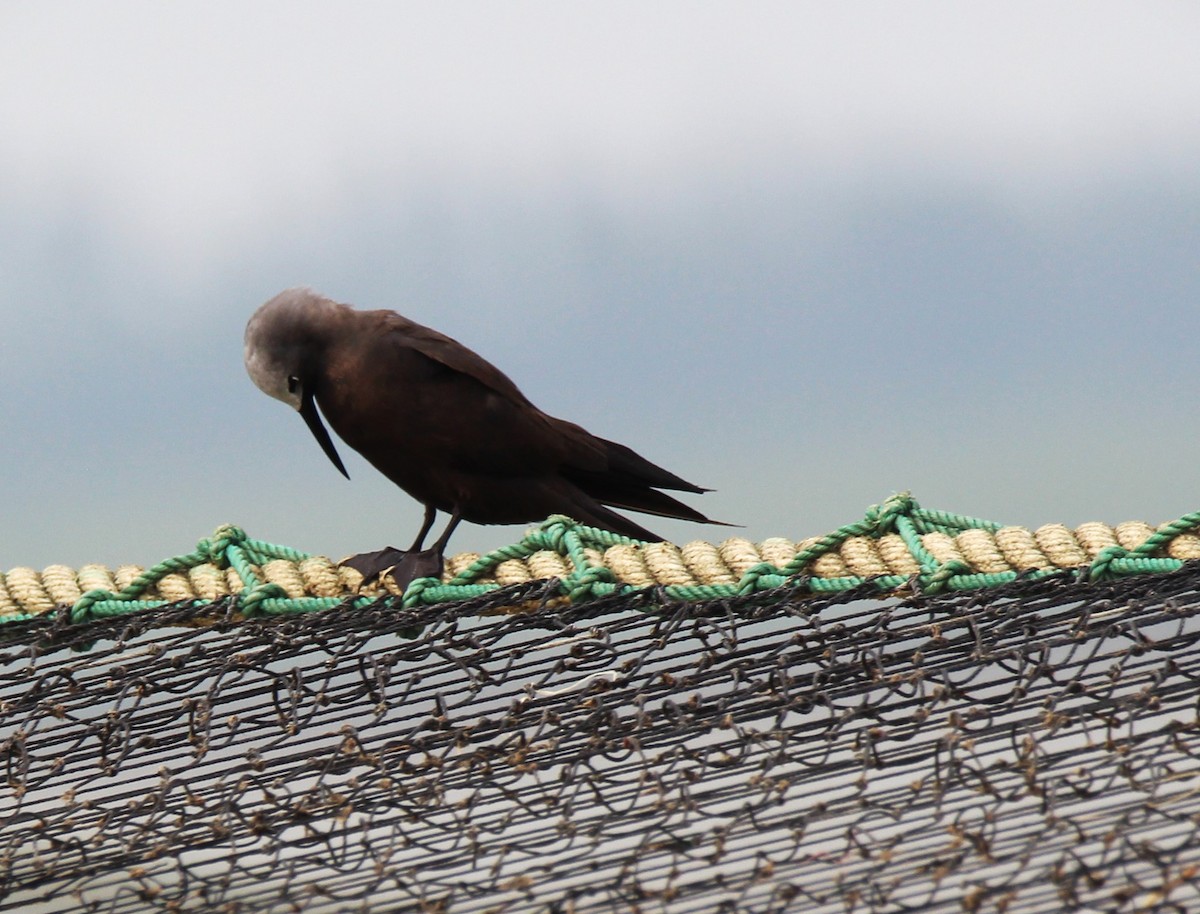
[453, 354]
[519, 425]
[510, 436]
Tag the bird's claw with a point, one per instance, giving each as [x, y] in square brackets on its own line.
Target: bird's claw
[402, 566]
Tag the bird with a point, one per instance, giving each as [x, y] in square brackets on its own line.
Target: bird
[446, 426]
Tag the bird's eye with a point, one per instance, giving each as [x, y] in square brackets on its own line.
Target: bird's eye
[293, 384]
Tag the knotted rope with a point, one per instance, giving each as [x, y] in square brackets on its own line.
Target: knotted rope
[897, 545]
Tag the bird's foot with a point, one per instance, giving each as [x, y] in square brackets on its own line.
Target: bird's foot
[403, 566]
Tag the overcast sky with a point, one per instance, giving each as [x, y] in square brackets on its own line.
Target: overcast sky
[807, 254]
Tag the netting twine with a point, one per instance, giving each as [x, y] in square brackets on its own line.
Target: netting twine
[897, 546]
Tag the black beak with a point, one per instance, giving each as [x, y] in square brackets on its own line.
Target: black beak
[308, 409]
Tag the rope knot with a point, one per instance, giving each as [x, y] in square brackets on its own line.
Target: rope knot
[554, 530]
[215, 548]
[749, 581]
[414, 593]
[1102, 564]
[580, 585]
[940, 577]
[251, 600]
[81, 610]
[882, 518]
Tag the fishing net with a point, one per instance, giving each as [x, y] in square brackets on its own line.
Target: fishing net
[1033, 746]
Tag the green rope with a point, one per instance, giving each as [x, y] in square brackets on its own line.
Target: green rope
[230, 547]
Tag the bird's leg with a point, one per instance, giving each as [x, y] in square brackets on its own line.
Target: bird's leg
[405, 565]
[426, 563]
[440, 546]
[430, 514]
[423, 563]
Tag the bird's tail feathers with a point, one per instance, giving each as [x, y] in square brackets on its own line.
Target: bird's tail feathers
[632, 467]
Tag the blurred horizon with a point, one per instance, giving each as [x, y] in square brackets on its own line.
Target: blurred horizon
[806, 256]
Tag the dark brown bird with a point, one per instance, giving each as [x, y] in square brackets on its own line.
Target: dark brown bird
[445, 425]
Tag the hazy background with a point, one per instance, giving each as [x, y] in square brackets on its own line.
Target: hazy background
[805, 253]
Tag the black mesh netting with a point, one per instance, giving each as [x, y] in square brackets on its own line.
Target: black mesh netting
[1029, 748]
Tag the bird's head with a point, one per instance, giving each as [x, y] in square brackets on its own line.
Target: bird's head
[285, 346]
